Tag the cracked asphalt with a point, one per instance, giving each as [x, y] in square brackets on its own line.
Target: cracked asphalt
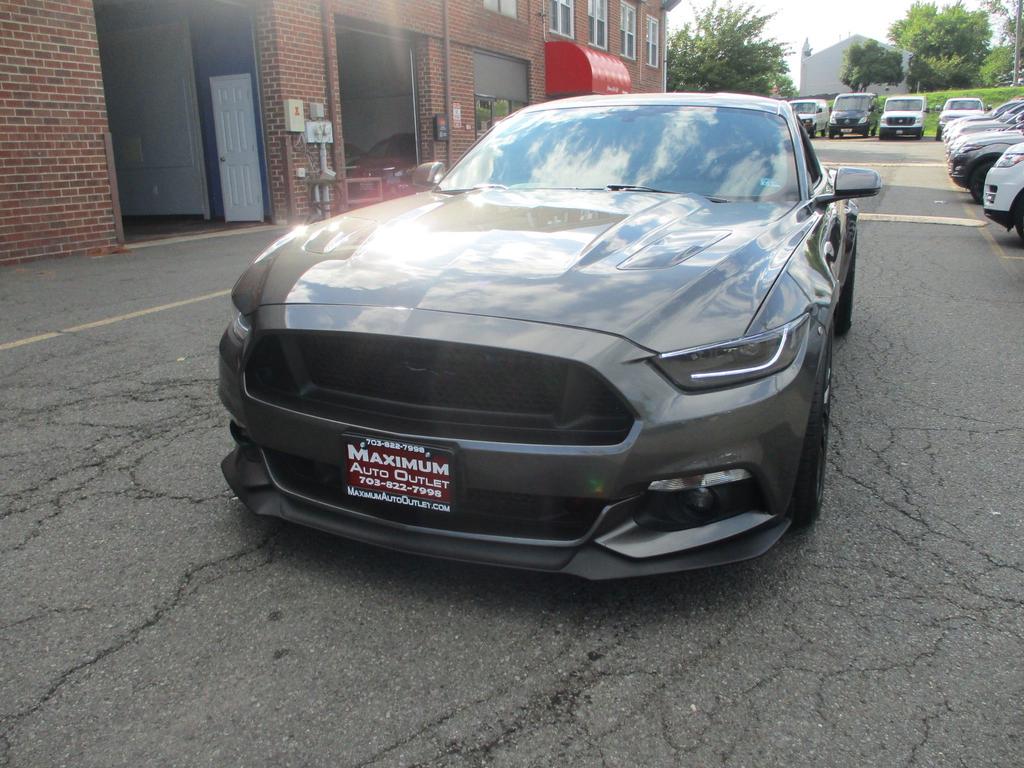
[147, 619]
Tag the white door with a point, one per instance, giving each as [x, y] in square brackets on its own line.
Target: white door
[235, 121]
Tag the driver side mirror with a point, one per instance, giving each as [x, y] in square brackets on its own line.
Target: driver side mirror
[428, 174]
[849, 183]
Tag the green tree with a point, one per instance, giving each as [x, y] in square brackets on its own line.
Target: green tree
[784, 87]
[948, 45]
[998, 66]
[725, 48]
[870, 62]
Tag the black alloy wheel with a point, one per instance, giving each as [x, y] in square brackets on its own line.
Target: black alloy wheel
[844, 307]
[976, 184]
[1018, 218]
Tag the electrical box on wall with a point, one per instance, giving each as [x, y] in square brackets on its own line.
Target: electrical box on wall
[319, 132]
[316, 111]
[294, 119]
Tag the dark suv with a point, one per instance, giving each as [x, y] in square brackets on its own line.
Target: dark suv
[853, 113]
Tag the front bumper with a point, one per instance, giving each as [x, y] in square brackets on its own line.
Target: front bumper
[960, 168]
[1002, 188]
[901, 130]
[758, 427]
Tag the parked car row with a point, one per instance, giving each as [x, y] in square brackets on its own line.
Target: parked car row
[859, 114]
[984, 155]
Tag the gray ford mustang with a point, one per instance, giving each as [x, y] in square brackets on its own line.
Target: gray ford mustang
[601, 344]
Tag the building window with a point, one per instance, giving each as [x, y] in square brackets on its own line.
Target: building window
[504, 7]
[561, 17]
[490, 110]
[652, 41]
[597, 14]
[627, 27]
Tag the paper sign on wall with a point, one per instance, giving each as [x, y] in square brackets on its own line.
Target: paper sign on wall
[457, 114]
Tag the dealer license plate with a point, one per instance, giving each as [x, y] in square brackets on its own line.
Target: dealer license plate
[397, 472]
[899, 132]
[846, 130]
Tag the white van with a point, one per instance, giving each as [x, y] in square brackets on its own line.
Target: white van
[903, 116]
[813, 113]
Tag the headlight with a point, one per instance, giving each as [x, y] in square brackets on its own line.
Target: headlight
[240, 328]
[738, 361]
[1008, 160]
[862, 121]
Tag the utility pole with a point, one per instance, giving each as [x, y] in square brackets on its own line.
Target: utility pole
[1016, 46]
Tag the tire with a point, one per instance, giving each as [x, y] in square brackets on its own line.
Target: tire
[938, 133]
[976, 184]
[844, 307]
[1018, 218]
[823, 132]
[805, 503]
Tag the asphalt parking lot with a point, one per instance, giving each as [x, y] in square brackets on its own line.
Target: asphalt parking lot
[147, 619]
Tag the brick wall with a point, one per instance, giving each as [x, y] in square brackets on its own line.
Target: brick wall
[289, 44]
[54, 191]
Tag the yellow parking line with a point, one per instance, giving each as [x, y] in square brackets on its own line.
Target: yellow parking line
[29, 340]
[112, 320]
[993, 244]
[909, 219]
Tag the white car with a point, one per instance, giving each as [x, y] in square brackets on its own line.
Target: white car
[1003, 201]
[958, 107]
[813, 114]
[903, 116]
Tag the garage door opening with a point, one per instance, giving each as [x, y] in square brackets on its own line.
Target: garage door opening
[378, 111]
[180, 82]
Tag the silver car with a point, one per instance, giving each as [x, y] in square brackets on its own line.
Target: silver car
[600, 345]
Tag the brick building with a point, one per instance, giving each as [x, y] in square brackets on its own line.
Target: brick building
[118, 111]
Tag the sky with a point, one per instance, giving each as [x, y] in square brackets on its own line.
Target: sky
[823, 22]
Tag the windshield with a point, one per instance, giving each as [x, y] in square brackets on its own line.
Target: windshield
[804, 107]
[964, 104]
[715, 152]
[853, 103]
[904, 105]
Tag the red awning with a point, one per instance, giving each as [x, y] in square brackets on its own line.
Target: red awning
[575, 70]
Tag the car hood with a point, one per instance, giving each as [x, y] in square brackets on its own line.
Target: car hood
[983, 125]
[665, 271]
[903, 113]
[953, 114]
[994, 137]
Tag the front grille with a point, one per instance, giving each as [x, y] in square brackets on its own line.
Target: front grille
[415, 386]
[475, 510]
[899, 121]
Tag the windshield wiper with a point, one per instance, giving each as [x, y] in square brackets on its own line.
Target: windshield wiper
[471, 189]
[637, 188]
[642, 188]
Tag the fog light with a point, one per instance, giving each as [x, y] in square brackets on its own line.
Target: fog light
[691, 502]
[700, 481]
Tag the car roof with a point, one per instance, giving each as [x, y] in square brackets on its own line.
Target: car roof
[735, 100]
